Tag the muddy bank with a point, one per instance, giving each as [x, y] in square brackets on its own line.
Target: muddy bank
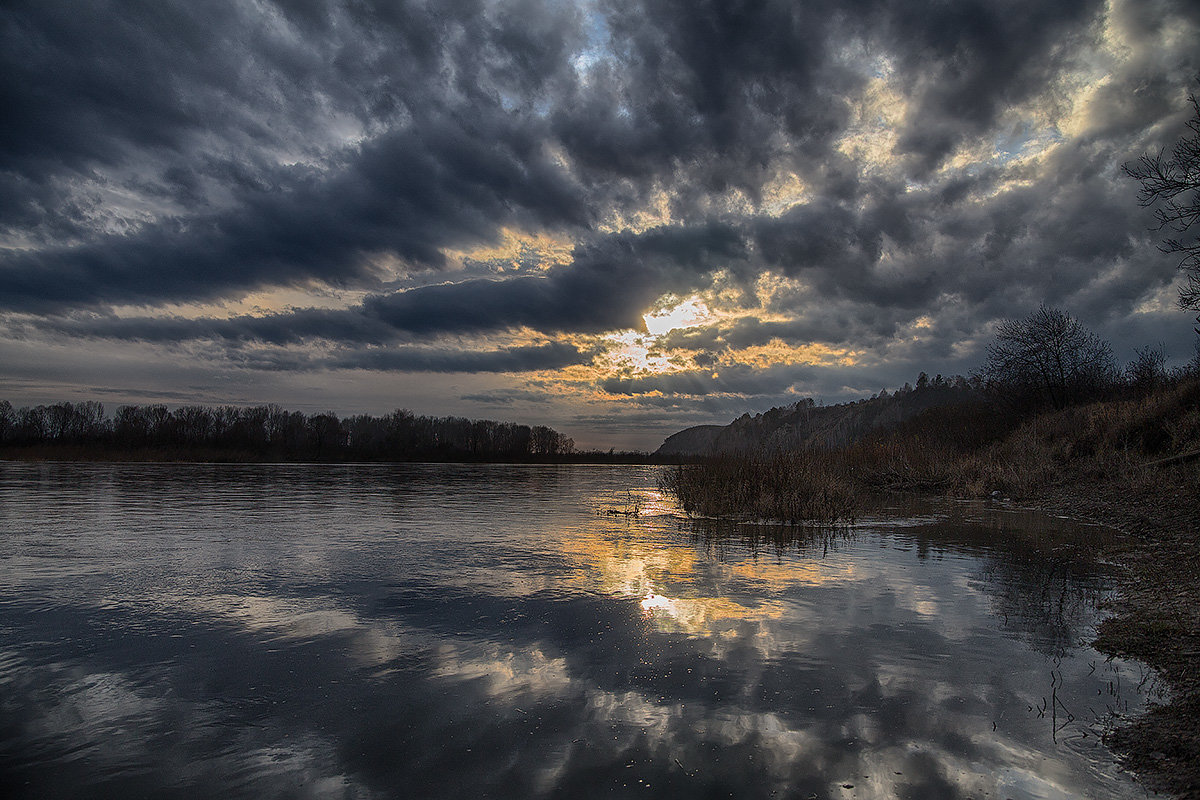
[1156, 614]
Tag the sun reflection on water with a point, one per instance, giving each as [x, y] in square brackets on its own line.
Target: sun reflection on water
[657, 601]
[580, 647]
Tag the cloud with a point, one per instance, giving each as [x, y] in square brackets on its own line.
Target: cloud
[507, 397]
[257, 189]
[552, 355]
[610, 284]
[738, 379]
[884, 176]
[406, 196]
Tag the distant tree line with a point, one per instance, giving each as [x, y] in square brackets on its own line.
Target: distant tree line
[273, 433]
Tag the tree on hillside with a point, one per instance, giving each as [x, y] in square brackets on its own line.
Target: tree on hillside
[1048, 357]
[1172, 185]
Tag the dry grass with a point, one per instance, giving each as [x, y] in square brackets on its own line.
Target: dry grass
[783, 487]
[1105, 441]
[966, 451]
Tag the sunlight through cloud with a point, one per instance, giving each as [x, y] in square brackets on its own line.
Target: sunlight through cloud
[689, 313]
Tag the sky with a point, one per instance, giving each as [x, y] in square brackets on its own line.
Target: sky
[616, 218]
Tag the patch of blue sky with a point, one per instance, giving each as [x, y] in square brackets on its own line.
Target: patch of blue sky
[597, 39]
[1022, 140]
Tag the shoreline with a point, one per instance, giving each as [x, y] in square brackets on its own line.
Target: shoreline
[84, 455]
[1155, 618]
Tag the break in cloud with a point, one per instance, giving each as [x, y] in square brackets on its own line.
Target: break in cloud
[609, 216]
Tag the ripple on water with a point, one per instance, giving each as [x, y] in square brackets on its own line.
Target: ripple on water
[451, 630]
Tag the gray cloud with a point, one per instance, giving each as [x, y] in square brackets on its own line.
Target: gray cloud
[738, 380]
[610, 284]
[552, 355]
[154, 153]
[507, 397]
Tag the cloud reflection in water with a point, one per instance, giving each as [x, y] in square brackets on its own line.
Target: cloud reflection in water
[450, 631]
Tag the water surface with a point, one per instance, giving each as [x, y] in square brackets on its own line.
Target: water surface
[294, 631]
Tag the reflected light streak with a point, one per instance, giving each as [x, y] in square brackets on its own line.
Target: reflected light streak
[657, 601]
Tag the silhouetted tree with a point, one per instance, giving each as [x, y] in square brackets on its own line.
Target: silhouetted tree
[325, 433]
[195, 424]
[272, 432]
[1048, 357]
[8, 421]
[1172, 185]
[1148, 370]
[32, 424]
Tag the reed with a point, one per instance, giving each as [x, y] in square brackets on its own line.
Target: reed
[787, 487]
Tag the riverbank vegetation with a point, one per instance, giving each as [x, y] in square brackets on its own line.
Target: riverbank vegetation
[1117, 447]
[1049, 408]
[973, 449]
[780, 486]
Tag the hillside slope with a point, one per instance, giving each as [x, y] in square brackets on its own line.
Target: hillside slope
[805, 424]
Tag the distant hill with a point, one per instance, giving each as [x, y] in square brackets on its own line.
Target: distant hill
[691, 441]
[806, 424]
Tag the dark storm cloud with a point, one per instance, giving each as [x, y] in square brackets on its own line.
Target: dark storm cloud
[214, 99]
[507, 397]
[554, 303]
[737, 379]
[703, 79]
[157, 152]
[611, 282]
[708, 88]
[825, 325]
[969, 61]
[458, 100]
[89, 83]
[349, 326]
[405, 195]
[552, 355]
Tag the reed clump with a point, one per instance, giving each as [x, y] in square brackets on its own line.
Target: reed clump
[785, 487]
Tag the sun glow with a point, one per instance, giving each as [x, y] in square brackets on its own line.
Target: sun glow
[688, 313]
[518, 250]
[632, 353]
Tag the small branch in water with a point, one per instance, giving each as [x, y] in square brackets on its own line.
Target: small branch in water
[631, 508]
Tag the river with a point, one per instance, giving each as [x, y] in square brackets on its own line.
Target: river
[446, 631]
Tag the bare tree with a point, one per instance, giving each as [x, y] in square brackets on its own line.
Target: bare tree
[1172, 185]
[8, 420]
[1148, 370]
[1048, 357]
